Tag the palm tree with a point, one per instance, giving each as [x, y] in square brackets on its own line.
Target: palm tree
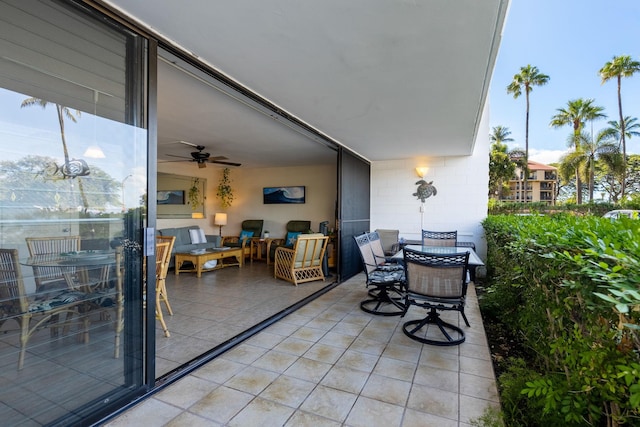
[576, 114]
[631, 128]
[619, 67]
[62, 112]
[526, 79]
[603, 147]
[500, 134]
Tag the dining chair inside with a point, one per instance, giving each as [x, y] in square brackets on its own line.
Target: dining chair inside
[386, 297]
[439, 238]
[51, 278]
[163, 295]
[436, 282]
[162, 266]
[60, 311]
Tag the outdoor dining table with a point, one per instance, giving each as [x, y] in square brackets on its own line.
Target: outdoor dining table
[77, 265]
[474, 259]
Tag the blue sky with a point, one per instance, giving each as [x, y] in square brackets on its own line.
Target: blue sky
[569, 40]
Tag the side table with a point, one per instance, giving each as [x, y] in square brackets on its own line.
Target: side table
[258, 248]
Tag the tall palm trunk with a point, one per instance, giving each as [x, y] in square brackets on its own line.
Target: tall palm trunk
[83, 195]
[622, 139]
[526, 149]
[576, 130]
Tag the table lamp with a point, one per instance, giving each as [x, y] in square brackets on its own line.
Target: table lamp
[220, 219]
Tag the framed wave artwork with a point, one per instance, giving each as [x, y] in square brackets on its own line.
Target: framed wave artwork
[273, 195]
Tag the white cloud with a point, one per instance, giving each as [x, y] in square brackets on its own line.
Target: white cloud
[546, 156]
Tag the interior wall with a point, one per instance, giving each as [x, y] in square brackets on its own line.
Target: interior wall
[247, 184]
[460, 203]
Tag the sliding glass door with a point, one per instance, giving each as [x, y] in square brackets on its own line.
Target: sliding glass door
[73, 167]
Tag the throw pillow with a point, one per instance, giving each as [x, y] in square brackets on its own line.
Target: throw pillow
[197, 236]
[244, 234]
[291, 238]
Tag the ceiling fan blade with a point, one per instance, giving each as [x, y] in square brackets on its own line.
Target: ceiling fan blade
[181, 157]
[225, 163]
[218, 158]
[191, 144]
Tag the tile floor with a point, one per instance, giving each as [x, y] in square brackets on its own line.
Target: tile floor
[331, 364]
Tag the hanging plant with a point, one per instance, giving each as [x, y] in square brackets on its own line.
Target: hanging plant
[225, 192]
[195, 198]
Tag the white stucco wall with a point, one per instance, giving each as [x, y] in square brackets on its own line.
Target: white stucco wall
[460, 203]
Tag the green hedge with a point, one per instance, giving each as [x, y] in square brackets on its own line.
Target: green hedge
[567, 288]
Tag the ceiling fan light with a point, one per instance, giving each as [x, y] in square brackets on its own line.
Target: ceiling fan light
[202, 165]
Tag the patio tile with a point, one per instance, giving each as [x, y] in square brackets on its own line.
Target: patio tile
[433, 401]
[275, 361]
[262, 412]
[345, 379]
[305, 419]
[307, 369]
[368, 412]
[387, 390]
[330, 403]
[251, 380]
[186, 391]
[220, 405]
[288, 391]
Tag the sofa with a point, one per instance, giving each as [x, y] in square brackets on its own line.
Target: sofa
[184, 243]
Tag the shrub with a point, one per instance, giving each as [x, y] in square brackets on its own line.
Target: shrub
[568, 287]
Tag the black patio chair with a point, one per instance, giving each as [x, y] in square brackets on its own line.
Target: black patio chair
[436, 282]
[386, 299]
[439, 238]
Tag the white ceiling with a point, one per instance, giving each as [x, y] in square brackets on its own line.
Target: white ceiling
[389, 79]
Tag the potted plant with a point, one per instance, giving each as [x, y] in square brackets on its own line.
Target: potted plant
[225, 192]
[195, 199]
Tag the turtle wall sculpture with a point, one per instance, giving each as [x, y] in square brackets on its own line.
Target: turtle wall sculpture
[425, 190]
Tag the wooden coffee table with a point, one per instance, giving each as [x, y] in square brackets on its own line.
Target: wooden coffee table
[198, 260]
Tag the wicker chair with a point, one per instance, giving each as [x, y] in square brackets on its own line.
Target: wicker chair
[51, 278]
[162, 290]
[436, 282]
[162, 266]
[302, 263]
[294, 228]
[387, 281]
[63, 310]
[439, 238]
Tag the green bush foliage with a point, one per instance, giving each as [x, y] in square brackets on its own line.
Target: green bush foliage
[568, 287]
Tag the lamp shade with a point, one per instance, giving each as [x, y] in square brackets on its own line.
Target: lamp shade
[220, 219]
[422, 171]
[197, 215]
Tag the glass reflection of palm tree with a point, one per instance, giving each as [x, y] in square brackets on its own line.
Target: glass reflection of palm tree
[62, 112]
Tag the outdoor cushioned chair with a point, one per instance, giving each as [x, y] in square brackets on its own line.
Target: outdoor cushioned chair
[251, 228]
[439, 238]
[386, 279]
[294, 229]
[303, 262]
[62, 310]
[436, 282]
[390, 241]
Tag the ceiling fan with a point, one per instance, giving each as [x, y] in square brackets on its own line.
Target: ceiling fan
[202, 158]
